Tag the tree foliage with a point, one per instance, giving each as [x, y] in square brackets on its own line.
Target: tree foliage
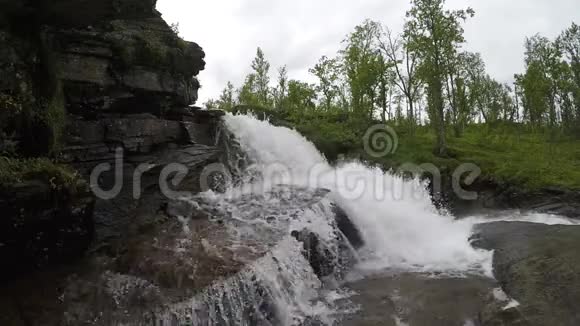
[424, 77]
[435, 35]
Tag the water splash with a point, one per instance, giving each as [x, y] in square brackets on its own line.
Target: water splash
[401, 227]
[289, 239]
[278, 289]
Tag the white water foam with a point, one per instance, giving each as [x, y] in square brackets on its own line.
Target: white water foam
[401, 227]
[278, 289]
[518, 216]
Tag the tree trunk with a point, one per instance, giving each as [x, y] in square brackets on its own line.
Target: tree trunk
[440, 107]
[441, 142]
[412, 120]
[438, 115]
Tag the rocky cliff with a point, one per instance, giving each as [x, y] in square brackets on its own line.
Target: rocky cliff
[97, 95]
[95, 57]
[85, 83]
[81, 80]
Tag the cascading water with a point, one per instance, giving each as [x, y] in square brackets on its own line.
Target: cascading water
[401, 227]
[280, 214]
[278, 289]
[289, 240]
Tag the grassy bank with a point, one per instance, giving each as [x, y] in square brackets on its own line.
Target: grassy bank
[506, 154]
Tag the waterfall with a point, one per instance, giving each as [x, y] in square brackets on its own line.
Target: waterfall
[401, 227]
[280, 209]
[278, 289]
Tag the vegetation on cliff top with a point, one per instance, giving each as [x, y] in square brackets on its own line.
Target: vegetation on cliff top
[444, 106]
[507, 154]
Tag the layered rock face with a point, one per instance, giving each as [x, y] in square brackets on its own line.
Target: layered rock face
[105, 87]
[109, 55]
[80, 82]
[127, 66]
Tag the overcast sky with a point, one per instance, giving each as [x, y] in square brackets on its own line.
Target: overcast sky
[296, 33]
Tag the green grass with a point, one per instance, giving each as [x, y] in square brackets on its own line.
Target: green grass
[13, 171]
[526, 160]
[507, 155]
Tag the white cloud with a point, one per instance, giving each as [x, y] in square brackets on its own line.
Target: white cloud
[297, 33]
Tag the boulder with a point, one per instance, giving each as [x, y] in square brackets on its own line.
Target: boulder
[347, 227]
[538, 266]
[415, 299]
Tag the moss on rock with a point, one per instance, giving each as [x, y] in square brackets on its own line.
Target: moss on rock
[59, 177]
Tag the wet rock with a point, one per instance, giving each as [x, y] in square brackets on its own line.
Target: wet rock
[12, 64]
[269, 291]
[201, 133]
[71, 13]
[495, 314]
[327, 261]
[115, 299]
[152, 265]
[184, 256]
[557, 207]
[492, 196]
[141, 137]
[138, 203]
[181, 209]
[347, 227]
[128, 60]
[536, 265]
[124, 79]
[323, 262]
[90, 139]
[209, 114]
[180, 114]
[418, 300]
